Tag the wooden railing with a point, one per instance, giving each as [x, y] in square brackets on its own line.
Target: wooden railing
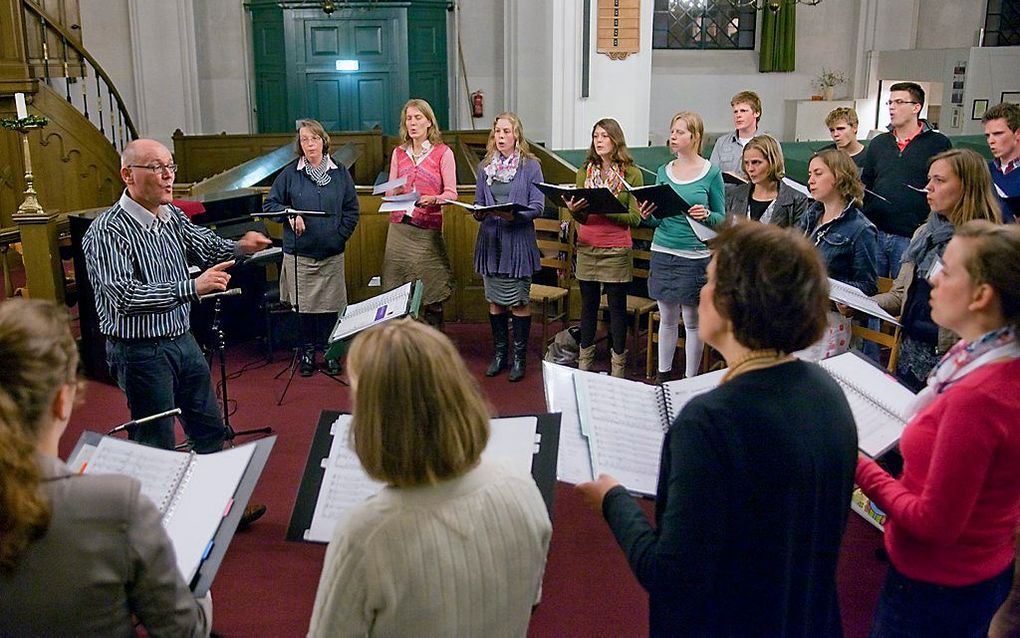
[73, 72]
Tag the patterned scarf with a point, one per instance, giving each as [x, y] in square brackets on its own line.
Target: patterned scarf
[318, 174]
[962, 359]
[502, 169]
[595, 177]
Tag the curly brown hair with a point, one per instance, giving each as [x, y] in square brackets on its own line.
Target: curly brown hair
[770, 283]
[848, 180]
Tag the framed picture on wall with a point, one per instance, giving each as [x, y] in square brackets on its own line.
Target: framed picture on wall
[980, 106]
[1011, 96]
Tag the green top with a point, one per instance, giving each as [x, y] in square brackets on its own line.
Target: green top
[674, 232]
[632, 218]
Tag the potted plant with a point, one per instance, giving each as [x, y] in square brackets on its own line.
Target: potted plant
[827, 80]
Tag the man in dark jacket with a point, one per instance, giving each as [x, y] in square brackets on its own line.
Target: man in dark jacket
[895, 173]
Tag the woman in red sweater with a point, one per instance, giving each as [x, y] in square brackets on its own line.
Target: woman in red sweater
[953, 511]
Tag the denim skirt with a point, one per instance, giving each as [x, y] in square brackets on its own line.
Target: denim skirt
[677, 279]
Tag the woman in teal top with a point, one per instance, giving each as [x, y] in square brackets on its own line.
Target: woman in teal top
[679, 259]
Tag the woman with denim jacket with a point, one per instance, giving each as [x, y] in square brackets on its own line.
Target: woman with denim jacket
[847, 241]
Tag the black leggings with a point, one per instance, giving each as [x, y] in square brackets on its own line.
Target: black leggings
[316, 328]
[591, 292]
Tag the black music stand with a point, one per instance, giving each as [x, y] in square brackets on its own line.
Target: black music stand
[219, 343]
[295, 357]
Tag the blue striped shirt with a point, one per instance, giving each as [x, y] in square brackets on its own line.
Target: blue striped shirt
[138, 266]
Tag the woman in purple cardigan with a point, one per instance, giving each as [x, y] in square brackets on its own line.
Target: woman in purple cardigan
[506, 253]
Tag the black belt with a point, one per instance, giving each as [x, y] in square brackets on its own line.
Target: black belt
[143, 340]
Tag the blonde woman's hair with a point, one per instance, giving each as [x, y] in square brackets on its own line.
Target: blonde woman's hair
[695, 125]
[419, 417]
[435, 136]
[773, 153]
[316, 128]
[37, 357]
[977, 200]
[848, 180]
[520, 142]
[994, 259]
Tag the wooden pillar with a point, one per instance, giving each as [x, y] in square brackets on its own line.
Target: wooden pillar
[13, 64]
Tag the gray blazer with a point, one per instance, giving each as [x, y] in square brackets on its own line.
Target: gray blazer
[786, 210]
[104, 557]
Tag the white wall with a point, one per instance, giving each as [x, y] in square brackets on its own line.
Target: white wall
[481, 26]
[704, 81]
[527, 68]
[106, 34]
[950, 24]
[223, 53]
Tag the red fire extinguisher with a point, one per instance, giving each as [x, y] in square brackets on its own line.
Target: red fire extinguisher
[477, 104]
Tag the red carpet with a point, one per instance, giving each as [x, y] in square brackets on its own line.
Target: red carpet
[266, 586]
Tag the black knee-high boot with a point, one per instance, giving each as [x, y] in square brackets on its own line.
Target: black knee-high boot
[522, 330]
[500, 343]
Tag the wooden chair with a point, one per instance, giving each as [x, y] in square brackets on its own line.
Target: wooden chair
[652, 346]
[557, 253]
[888, 334]
[638, 308]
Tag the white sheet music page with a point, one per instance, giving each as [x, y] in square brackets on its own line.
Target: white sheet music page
[376, 309]
[683, 390]
[855, 298]
[390, 185]
[202, 503]
[344, 484]
[879, 403]
[624, 423]
[512, 443]
[573, 463]
[159, 471]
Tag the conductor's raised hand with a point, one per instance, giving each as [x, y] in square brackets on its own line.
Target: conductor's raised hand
[646, 208]
[214, 279]
[698, 212]
[297, 224]
[253, 241]
[594, 492]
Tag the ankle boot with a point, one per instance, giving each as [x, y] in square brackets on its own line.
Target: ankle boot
[585, 357]
[500, 342]
[618, 363]
[522, 329]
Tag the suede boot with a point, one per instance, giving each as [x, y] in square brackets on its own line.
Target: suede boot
[585, 357]
[618, 364]
[500, 342]
[522, 330]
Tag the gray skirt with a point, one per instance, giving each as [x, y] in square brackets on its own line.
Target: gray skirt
[417, 253]
[605, 265]
[320, 283]
[677, 279]
[507, 291]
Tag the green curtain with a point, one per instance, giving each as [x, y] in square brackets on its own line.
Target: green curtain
[778, 39]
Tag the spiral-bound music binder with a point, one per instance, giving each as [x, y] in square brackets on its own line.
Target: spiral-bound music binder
[200, 496]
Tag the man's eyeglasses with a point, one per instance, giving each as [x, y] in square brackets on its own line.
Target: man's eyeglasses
[899, 102]
[157, 169]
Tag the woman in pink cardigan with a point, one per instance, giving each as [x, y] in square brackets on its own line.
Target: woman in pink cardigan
[953, 511]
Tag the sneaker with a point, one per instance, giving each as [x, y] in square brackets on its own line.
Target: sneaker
[252, 513]
[307, 365]
[332, 367]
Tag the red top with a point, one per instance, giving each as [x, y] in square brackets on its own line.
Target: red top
[953, 512]
[435, 175]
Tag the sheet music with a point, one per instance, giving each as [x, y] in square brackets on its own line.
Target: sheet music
[202, 502]
[879, 403]
[374, 310]
[403, 197]
[345, 483]
[573, 463]
[679, 392]
[625, 424]
[855, 298]
[159, 471]
[797, 186]
[390, 185]
[390, 207]
[703, 232]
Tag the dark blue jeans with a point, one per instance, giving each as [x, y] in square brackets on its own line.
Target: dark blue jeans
[159, 375]
[890, 253]
[909, 608]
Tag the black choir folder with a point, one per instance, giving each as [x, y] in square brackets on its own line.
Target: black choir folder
[200, 496]
[617, 426]
[356, 317]
[334, 480]
[600, 200]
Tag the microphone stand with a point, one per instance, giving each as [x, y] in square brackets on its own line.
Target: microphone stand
[296, 355]
[220, 346]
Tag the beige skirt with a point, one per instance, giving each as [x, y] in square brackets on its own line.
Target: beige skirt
[417, 253]
[320, 283]
[605, 265]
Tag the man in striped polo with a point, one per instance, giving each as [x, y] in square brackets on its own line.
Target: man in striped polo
[137, 254]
